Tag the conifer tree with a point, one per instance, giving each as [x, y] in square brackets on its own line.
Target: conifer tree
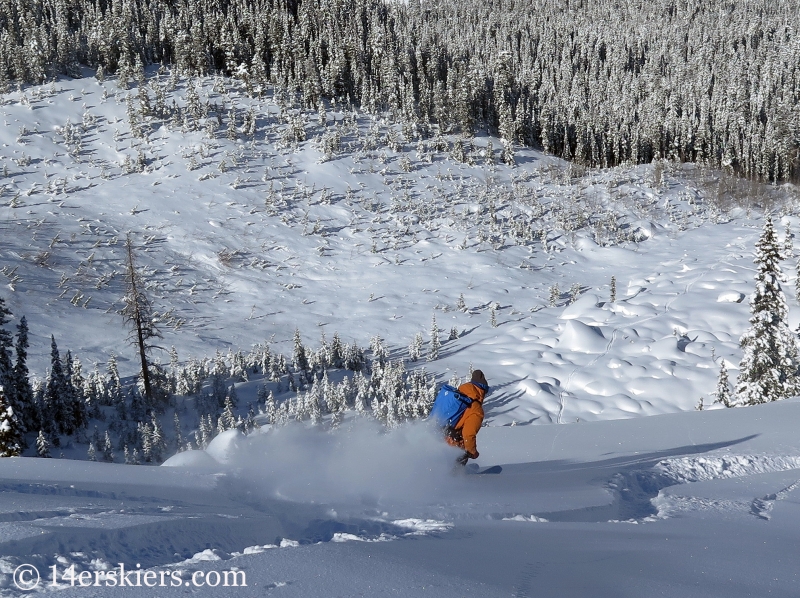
[435, 344]
[299, 354]
[179, 441]
[415, 348]
[115, 383]
[159, 442]
[10, 433]
[42, 445]
[797, 282]
[146, 440]
[270, 408]
[108, 449]
[336, 350]
[91, 453]
[228, 418]
[723, 387]
[138, 315]
[57, 410]
[6, 342]
[768, 370]
[23, 390]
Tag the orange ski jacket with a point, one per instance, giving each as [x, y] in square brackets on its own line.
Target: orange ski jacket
[472, 419]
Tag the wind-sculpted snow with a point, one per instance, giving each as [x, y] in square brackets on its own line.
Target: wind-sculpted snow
[697, 469]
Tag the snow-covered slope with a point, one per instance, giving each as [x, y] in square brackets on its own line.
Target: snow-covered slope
[673, 505]
[376, 237]
[288, 236]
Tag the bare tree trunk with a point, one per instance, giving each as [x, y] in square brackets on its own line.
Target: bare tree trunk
[134, 316]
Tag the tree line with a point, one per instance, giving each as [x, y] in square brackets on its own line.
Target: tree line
[600, 83]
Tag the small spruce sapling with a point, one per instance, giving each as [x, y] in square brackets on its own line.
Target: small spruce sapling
[723, 391]
[42, 445]
[613, 289]
[555, 295]
[574, 292]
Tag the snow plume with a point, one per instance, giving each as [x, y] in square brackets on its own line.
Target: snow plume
[359, 461]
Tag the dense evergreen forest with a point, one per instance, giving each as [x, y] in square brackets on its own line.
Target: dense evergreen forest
[601, 82]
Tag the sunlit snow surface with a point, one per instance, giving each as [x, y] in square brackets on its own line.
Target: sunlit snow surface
[671, 505]
[602, 503]
[355, 245]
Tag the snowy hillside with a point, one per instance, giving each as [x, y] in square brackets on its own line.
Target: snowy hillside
[590, 299]
[245, 238]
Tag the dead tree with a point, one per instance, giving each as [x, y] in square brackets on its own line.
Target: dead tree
[138, 315]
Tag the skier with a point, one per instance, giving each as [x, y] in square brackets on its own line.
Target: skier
[464, 433]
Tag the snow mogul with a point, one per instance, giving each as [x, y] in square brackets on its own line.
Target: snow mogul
[459, 412]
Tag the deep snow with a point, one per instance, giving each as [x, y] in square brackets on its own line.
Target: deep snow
[603, 502]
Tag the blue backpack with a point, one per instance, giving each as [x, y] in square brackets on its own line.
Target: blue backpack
[449, 406]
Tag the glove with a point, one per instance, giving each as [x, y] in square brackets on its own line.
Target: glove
[474, 455]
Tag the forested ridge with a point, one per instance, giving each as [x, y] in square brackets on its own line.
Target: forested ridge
[600, 83]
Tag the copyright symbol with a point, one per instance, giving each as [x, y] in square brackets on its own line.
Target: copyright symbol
[26, 577]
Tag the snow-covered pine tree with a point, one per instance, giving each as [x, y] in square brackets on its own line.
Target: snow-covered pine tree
[6, 370]
[114, 381]
[56, 393]
[768, 370]
[42, 445]
[379, 354]
[574, 292]
[28, 413]
[299, 353]
[179, 441]
[146, 439]
[336, 352]
[435, 344]
[555, 295]
[174, 370]
[159, 442]
[228, 418]
[75, 410]
[108, 449]
[354, 358]
[270, 408]
[415, 348]
[723, 391]
[10, 433]
[797, 281]
[91, 453]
